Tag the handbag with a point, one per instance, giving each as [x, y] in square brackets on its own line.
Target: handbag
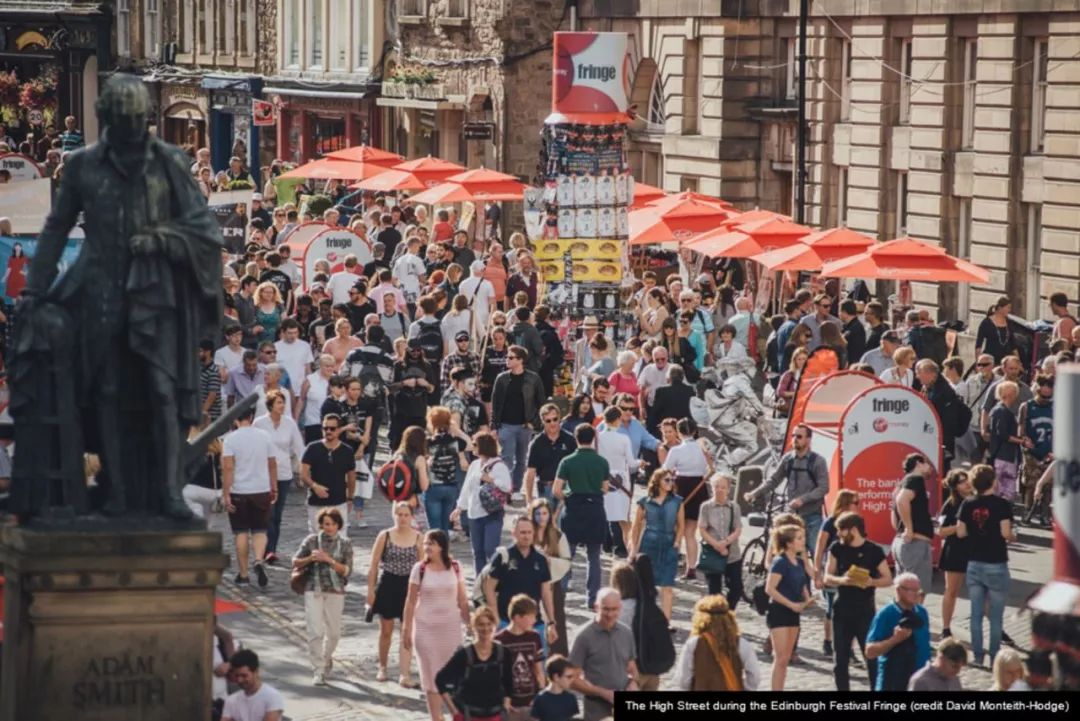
[364, 484]
[492, 498]
[218, 504]
[298, 579]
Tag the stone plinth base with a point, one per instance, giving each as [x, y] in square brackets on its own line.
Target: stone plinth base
[105, 622]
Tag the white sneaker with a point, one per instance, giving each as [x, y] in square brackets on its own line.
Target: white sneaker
[319, 679]
[360, 524]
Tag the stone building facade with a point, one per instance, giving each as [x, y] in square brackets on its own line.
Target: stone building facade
[470, 80]
[952, 122]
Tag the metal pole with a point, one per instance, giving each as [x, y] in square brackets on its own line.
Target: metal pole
[573, 15]
[800, 131]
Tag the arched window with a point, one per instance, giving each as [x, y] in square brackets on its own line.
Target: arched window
[657, 117]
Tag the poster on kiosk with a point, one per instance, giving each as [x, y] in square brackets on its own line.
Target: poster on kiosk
[880, 427]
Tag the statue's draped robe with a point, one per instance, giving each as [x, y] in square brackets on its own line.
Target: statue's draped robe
[128, 312]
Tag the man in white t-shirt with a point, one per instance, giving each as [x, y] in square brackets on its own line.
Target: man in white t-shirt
[230, 355]
[343, 280]
[653, 376]
[288, 267]
[481, 295]
[255, 701]
[248, 464]
[294, 355]
[410, 271]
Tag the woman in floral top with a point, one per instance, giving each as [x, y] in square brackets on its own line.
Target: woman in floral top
[328, 556]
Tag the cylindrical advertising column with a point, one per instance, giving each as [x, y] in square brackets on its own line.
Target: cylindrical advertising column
[1056, 624]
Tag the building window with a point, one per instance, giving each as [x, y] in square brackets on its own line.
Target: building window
[688, 184]
[457, 8]
[184, 29]
[971, 57]
[691, 88]
[291, 30]
[316, 30]
[841, 197]
[845, 81]
[123, 28]
[206, 27]
[1038, 96]
[963, 250]
[226, 26]
[152, 34]
[1034, 260]
[412, 8]
[328, 134]
[339, 35]
[657, 113]
[901, 205]
[905, 82]
[791, 91]
[361, 31]
[245, 20]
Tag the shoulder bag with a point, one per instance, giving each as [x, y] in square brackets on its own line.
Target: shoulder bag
[710, 560]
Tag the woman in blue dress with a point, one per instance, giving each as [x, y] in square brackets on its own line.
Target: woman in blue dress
[658, 526]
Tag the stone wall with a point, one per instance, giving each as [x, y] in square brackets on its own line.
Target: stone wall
[266, 38]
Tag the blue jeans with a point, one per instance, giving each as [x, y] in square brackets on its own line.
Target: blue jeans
[274, 531]
[813, 528]
[514, 441]
[592, 571]
[986, 582]
[439, 501]
[484, 534]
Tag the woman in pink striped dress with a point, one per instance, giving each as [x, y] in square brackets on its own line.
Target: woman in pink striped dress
[435, 610]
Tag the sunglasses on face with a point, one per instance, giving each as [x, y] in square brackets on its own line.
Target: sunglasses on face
[269, 352]
[329, 429]
[984, 365]
[551, 420]
[626, 409]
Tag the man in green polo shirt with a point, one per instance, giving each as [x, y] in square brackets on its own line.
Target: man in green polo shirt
[580, 482]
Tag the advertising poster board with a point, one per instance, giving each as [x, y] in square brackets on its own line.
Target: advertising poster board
[334, 244]
[590, 78]
[232, 210]
[26, 204]
[880, 427]
[20, 166]
[15, 255]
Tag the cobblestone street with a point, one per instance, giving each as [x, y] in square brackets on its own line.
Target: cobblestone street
[274, 626]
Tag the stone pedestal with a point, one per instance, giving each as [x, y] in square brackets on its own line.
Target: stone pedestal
[108, 623]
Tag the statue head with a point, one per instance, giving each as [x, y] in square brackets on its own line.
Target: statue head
[123, 107]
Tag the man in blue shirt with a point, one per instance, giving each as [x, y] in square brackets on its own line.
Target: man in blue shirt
[822, 304]
[793, 312]
[900, 636]
[631, 427]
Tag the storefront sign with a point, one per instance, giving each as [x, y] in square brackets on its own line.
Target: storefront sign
[176, 94]
[233, 102]
[262, 112]
[478, 131]
[20, 166]
[590, 76]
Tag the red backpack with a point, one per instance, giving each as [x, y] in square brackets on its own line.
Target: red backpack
[395, 479]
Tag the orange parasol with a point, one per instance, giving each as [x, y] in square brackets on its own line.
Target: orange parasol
[335, 169]
[754, 215]
[480, 184]
[679, 221]
[773, 233]
[748, 239]
[645, 194]
[419, 174]
[676, 198]
[906, 259]
[367, 154]
[815, 250]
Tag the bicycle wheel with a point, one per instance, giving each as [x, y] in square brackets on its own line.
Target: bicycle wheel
[753, 567]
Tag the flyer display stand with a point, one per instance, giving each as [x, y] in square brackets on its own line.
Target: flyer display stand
[580, 245]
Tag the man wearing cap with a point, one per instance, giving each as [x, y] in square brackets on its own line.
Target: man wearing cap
[459, 357]
[258, 211]
[481, 295]
[881, 357]
[582, 354]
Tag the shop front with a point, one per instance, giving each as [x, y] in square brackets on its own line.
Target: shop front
[312, 123]
[232, 131]
[184, 112]
[49, 68]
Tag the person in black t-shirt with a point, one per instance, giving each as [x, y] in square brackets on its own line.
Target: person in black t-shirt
[279, 278]
[856, 567]
[360, 306]
[986, 519]
[378, 254]
[328, 471]
[408, 403]
[546, 450]
[911, 518]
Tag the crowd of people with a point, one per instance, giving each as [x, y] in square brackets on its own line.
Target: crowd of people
[442, 345]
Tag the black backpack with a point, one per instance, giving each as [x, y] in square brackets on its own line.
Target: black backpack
[443, 455]
[364, 366]
[655, 648]
[431, 341]
[553, 348]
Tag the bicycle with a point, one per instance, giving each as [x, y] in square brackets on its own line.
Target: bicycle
[756, 551]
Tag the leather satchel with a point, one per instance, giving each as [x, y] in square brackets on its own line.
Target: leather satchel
[298, 579]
